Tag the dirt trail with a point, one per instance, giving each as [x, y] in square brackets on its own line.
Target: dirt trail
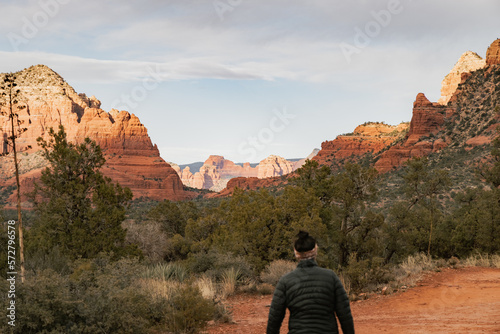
[452, 301]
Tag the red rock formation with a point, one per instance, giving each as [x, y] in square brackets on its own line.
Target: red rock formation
[131, 158]
[246, 183]
[228, 169]
[217, 171]
[426, 121]
[369, 137]
[493, 53]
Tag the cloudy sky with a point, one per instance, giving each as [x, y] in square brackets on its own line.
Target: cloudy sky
[248, 78]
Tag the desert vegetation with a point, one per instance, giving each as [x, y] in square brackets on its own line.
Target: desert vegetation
[97, 261]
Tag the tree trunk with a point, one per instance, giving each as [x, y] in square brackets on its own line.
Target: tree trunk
[19, 215]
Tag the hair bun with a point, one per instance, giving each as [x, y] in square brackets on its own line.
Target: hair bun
[302, 235]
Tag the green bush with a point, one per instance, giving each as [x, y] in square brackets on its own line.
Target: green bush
[98, 297]
[216, 265]
[365, 274]
[188, 312]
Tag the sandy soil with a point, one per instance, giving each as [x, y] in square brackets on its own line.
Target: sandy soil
[452, 301]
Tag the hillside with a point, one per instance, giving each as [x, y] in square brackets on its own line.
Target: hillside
[455, 133]
[131, 157]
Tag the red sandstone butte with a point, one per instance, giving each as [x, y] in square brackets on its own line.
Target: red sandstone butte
[427, 120]
[369, 137]
[131, 158]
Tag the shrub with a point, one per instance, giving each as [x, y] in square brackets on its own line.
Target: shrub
[216, 265]
[275, 270]
[230, 278]
[149, 237]
[481, 260]
[416, 264]
[495, 261]
[99, 296]
[365, 274]
[54, 260]
[166, 271]
[188, 312]
[265, 288]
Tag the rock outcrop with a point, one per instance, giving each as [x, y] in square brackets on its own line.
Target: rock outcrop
[246, 183]
[367, 138]
[131, 158]
[426, 121]
[273, 166]
[493, 53]
[217, 171]
[301, 162]
[468, 62]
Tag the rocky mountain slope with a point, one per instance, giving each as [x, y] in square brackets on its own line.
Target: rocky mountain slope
[469, 119]
[131, 158]
[462, 122]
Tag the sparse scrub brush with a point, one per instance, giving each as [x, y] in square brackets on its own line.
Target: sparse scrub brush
[275, 270]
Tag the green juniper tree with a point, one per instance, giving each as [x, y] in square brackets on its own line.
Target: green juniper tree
[414, 219]
[79, 210]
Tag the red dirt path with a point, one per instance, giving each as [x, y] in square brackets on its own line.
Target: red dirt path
[454, 301]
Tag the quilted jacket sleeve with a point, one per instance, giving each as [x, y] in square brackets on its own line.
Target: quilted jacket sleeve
[277, 310]
[343, 308]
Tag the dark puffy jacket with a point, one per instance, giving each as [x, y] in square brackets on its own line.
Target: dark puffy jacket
[314, 296]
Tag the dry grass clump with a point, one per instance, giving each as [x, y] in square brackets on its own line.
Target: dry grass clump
[160, 289]
[411, 270]
[495, 261]
[265, 289]
[482, 260]
[275, 270]
[416, 264]
[230, 278]
[207, 287]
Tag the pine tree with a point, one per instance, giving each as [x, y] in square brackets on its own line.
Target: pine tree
[79, 210]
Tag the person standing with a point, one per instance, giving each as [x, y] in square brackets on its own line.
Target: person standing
[314, 295]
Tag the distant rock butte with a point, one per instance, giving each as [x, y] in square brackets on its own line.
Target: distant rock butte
[468, 62]
[131, 158]
[369, 137]
[273, 166]
[217, 171]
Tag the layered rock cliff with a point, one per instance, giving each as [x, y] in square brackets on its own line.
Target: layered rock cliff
[426, 121]
[469, 119]
[371, 137]
[131, 158]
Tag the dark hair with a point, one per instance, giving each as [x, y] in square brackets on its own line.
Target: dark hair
[304, 242]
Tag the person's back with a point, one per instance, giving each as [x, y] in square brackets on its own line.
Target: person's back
[314, 297]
